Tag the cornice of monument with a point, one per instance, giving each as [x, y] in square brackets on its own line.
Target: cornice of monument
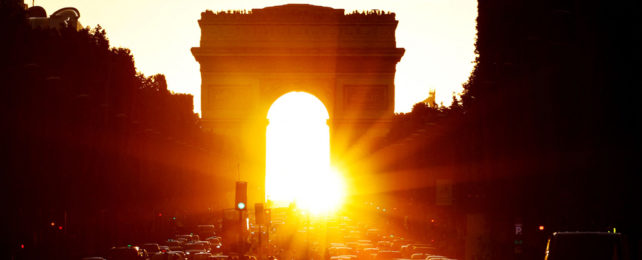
[296, 14]
[281, 52]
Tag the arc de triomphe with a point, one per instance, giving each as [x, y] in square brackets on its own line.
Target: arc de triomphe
[249, 59]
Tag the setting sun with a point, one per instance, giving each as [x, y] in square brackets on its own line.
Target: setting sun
[298, 155]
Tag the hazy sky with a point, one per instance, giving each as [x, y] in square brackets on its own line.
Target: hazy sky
[438, 36]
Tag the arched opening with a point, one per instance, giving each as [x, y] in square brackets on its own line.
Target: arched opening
[298, 155]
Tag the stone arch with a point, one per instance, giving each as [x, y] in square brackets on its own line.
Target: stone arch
[323, 94]
[249, 59]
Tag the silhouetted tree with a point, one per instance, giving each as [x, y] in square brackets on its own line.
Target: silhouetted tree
[93, 144]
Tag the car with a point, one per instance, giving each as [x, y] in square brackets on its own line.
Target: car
[422, 249]
[188, 237]
[385, 245]
[170, 255]
[373, 233]
[362, 245]
[126, 253]
[180, 254]
[340, 250]
[405, 250]
[199, 256]
[164, 248]
[206, 230]
[191, 253]
[409, 249]
[214, 239]
[387, 255]
[174, 245]
[151, 248]
[368, 253]
[585, 245]
[215, 243]
[436, 257]
[199, 245]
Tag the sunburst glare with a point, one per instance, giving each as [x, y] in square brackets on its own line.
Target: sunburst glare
[298, 155]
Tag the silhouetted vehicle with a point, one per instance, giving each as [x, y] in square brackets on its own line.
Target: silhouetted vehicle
[188, 238]
[362, 245]
[199, 256]
[170, 255]
[585, 246]
[384, 245]
[373, 234]
[216, 244]
[344, 257]
[340, 250]
[191, 253]
[405, 250]
[206, 230]
[422, 249]
[437, 257]
[151, 248]
[126, 253]
[198, 245]
[174, 245]
[214, 239]
[409, 249]
[181, 254]
[387, 254]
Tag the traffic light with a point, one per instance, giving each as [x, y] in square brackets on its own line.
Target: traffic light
[241, 195]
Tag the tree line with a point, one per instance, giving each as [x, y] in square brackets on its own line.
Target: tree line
[546, 132]
[94, 152]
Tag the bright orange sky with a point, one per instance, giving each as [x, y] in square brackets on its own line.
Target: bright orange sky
[438, 36]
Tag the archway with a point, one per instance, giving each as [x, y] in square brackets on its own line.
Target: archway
[249, 59]
[298, 155]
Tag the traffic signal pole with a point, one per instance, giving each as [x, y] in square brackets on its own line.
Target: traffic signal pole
[241, 243]
[241, 206]
[260, 219]
[263, 217]
[260, 249]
